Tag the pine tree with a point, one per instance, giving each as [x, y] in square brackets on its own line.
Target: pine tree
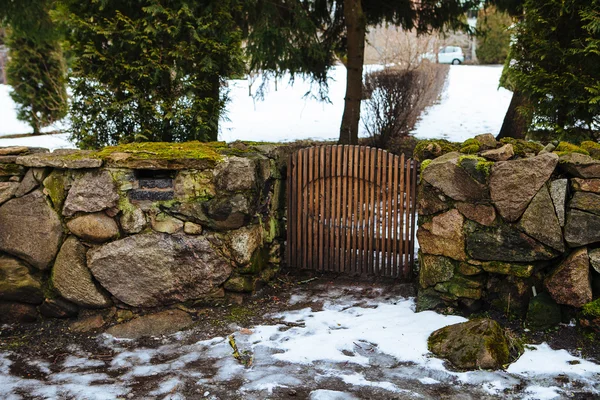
[556, 62]
[36, 68]
[150, 70]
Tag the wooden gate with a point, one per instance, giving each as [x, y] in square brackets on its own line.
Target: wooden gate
[351, 209]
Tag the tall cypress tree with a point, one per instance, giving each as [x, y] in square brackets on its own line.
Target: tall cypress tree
[36, 68]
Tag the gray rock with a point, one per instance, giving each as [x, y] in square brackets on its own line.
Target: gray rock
[17, 284]
[192, 229]
[514, 183]
[244, 242]
[430, 200]
[236, 173]
[8, 170]
[443, 236]
[570, 283]
[155, 269]
[540, 221]
[582, 228]
[162, 323]
[558, 193]
[595, 259]
[91, 192]
[73, 280]
[486, 141]
[480, 213]
[475, 344]
[580, 165]
[445, 174]
[83, 160]
[96, 227]
[502, 154]
[220, 213]
[586, 201]
[31, 230]
[13, 150]
[505, 243]
[434, 269]
[27, 184]
[7, 191]
[586, 185]
[165, 223]
[133, 220]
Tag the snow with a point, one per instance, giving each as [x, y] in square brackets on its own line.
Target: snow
[471, 104]
[346, 347]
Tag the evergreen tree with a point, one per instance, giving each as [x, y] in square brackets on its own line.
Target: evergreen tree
[36, 68]
[494, 40]
[149, 70]
[556, 61]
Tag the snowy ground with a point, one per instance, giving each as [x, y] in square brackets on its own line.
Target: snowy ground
[470, 105]
[342, 346]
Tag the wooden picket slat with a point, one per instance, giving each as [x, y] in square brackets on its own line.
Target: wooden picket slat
[351, 209]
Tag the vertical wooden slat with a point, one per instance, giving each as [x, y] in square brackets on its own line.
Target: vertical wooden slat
[349, 209]
[390, 215]
[304, 196]
[365, 212]
[354, 222]
[371, 230]
[332, 194]
[298, 200]
[288, 231]
[360, 175]
[377, 219]
[402, 212]
[383, 213]
[413, 210]
[315, 210]
[395, 216]
[321, 198]
[342, 199]
[308, 190]
[407, 219]
[338, 207]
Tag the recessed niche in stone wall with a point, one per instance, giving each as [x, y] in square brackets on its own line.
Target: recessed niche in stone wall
[152, 185]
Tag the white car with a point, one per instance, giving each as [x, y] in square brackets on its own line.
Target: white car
[447, 55]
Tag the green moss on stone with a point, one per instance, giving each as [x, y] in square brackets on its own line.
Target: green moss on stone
[522, 148]
[55, 186]
[433, 148]
[592, 148]
[240, 284]
[161, 150]
[566, 148]
[470, 146]
[592, 309]
[482, 165]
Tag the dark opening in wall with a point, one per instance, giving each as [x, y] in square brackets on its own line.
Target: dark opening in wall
[153, 185]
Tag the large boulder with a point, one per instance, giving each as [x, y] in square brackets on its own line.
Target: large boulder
[505, 243]
[570, 282]
[580, 165]
[445, 174]
[31, 230]
[476, 344]
[514, 183]
[586, 201]
[72, 278]
[91, 192]
[443, 236]
[96, 227]
[162, 323]
[540, 221]
[219, 213]
[16, 282]
[149, 270]
[582, 228]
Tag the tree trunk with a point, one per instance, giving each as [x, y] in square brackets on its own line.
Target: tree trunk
[356, 30]
[515, 125]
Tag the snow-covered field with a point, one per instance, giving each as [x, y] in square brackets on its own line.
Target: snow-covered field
[470, 105]
[345, 347]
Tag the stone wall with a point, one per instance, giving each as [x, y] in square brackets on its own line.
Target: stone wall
[496, 227]
[136, 226]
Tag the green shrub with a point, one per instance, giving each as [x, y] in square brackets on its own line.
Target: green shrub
[493, 44]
